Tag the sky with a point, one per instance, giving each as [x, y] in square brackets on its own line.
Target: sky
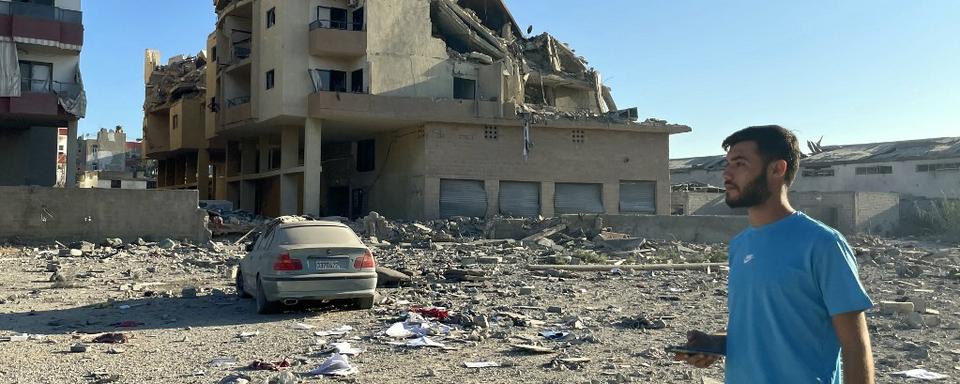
[854, 71]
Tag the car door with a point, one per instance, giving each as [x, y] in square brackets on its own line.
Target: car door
[252, 263]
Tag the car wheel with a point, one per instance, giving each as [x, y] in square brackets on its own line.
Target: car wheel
[263, 306]
[363, 303]
[241, 291]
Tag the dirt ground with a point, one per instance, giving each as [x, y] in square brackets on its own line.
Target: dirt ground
[178, 309]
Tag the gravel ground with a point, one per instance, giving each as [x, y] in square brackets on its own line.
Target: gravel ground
[619, 321]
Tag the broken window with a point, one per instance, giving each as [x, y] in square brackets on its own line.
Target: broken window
[577, 136]
[330, 18]
[329, 80]
[271, 17]
[356, 81]
[876, 170]
[270, 79]
[366, 155]
[114, 183]
[464, 89]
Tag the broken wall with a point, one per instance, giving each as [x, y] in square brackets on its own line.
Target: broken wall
[697, 229]
[47, 214]
[404, 58]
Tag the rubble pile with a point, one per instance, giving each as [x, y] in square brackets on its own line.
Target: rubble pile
[557, 304]
[181, 77]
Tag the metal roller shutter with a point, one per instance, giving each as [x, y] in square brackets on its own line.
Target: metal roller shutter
[578, 198]
[519, 199]
[462, 198]
[638, 197]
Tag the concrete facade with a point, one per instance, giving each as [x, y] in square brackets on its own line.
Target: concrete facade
[46, 214]
[371, 112]
[41, 92]
[905, 178]
[701, 229]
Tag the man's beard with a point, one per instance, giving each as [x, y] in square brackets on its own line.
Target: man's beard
[755, 193]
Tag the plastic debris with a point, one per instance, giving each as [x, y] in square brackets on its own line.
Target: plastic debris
[438, 313]
[480, 364]
[554, 335]
[303, 326]
[335, 365]
[247, 335]
[921, 374]
[416, 326]
[345, 348]
[341, 330]
[422, 341]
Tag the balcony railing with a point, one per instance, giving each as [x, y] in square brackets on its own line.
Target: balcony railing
[48, 86]
[40, 11]
[240, 100]
[336, 24]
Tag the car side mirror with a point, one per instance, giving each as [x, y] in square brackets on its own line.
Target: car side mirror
[249, 247]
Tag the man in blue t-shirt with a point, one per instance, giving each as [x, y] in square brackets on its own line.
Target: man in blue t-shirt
[795, 301]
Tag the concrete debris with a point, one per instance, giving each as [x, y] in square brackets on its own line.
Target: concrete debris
[603, 315]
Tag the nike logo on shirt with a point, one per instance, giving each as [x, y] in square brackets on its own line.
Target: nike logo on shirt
[748, 258]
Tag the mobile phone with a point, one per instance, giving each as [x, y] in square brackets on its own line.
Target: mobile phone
[693, 351]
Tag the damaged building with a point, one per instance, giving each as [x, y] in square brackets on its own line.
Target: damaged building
[416, 109]
[174, 122]
[40, 89]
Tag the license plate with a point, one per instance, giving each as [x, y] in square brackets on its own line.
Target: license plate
[329, 264]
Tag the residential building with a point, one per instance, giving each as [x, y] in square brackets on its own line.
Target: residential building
[62, 142]
[40, 88]
[925, 169]
[110, 161]
[414, 109]
[174, 126]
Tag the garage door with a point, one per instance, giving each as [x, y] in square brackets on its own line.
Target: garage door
[638, 197]
[519, 199]
[462, 198]
[577, 198]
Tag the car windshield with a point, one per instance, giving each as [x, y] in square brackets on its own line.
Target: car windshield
[317, 234]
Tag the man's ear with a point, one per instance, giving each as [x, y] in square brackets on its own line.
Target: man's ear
[778, 168]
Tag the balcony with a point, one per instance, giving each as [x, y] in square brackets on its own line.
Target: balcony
[237, 110]
[41, 22]
[39, 98]
[333, 38]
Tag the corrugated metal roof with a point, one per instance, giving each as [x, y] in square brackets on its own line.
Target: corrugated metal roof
[936, 148]
[702, 162]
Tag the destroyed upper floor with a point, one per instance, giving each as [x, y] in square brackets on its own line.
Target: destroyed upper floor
[463, 50]
[182, 77]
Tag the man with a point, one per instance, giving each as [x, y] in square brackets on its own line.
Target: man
[795, 301]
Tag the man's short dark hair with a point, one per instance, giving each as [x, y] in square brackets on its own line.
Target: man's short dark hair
[774, 143]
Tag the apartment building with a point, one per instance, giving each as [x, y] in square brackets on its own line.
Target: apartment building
[416, 109]
[174, 125]
[40, 88]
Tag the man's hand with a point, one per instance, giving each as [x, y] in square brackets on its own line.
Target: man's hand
[700, 340]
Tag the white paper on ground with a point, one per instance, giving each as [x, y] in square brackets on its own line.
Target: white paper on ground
[303, 326]
[481, 364]
[341, 330]
[922, 374]
[335, 365]
[347, 349]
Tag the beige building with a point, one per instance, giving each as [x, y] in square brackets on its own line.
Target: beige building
[417, 109]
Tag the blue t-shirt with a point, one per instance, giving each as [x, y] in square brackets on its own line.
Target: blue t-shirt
[787, 279]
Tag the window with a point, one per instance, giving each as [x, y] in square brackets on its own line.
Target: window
[577, 136]
[36, 77]
[464, 89]
[176, 121]
[357, 24]
[270, 79]
[490, 132]
[328, 80]
[356, 81]
[330, 18]
[876, 170]
[60, 147]
[213, 53]
[938, 167]
[274, 153]
[114, 183]
[271, 17]
[818, 172]
[366, 156]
